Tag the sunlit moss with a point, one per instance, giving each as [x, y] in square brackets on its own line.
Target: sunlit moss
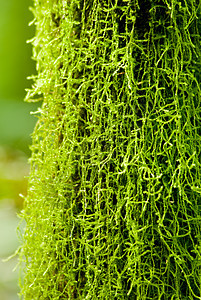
[113, 209]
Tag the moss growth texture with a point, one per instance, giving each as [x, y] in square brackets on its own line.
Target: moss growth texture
[114, 203]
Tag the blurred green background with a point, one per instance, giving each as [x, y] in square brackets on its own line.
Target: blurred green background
[16, 125]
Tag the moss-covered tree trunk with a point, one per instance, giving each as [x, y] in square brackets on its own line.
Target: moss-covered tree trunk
[114, 203]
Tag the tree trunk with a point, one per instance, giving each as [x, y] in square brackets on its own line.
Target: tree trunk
[114, 203]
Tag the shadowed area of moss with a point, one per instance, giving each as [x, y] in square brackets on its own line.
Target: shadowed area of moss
[114, 202]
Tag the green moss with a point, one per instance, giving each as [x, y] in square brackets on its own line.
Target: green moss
[113, 209]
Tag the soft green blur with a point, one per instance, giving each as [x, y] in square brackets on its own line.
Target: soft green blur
[15, 66]
[15, 53]
[16, 125]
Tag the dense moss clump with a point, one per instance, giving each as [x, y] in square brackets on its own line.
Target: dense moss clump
[114, 203]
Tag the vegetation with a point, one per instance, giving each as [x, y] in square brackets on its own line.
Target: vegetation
[114, 207]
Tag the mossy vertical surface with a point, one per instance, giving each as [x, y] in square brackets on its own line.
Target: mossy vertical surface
[114, 203]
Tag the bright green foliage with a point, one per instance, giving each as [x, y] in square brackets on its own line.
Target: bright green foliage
[114, 203]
